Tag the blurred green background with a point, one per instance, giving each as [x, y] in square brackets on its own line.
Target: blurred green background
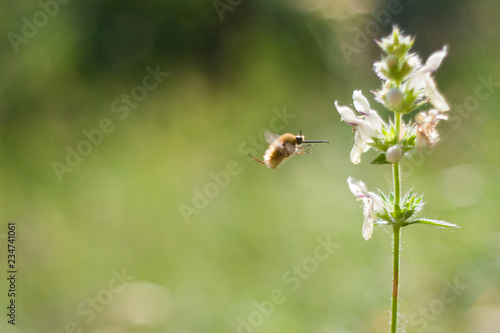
[233, 66]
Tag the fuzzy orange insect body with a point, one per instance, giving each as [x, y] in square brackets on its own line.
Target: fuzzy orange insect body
[282, 147]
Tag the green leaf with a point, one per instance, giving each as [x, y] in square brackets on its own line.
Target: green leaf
[380, 160]
[437, 223]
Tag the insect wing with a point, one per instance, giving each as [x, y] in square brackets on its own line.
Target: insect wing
[290, 149]
[272, 138]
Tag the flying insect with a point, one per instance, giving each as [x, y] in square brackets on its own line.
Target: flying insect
[282, 147]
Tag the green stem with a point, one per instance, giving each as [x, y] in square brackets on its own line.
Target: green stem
[397, 183]
[395, 278]
[396, 238]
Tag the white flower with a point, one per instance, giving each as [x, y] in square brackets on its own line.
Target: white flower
[367, 125]
[362, 105]
[422, 80]
[372, 203]
[427, 135]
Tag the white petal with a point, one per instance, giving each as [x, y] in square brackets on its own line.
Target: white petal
[417, 81]
[367, 230]
[356, 154]
[366, 130]
[357, 188]
[441, 116]
[378, 204]
[361, 104]
[435, 59]
[359, 147]
[374, 120]
[365, 146]
[347, 114]
[435, 98]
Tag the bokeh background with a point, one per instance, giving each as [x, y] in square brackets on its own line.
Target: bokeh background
[233, 66]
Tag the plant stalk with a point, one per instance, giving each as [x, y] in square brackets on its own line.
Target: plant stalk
[395, 278]
[395, 166]
[396, 237]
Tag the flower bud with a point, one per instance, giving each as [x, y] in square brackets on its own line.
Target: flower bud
[391, 61]
[394, 153]
[394, 97]
[396, 44]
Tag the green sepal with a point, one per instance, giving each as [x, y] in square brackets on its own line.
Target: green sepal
[408, 143]
[379, 144]
[411, 204]
[397, 214]
[391, 134]
[380, 160]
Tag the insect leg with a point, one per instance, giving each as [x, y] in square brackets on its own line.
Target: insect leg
[309, 145]
[257, 159]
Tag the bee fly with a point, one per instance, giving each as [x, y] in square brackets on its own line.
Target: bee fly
[282, 147]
